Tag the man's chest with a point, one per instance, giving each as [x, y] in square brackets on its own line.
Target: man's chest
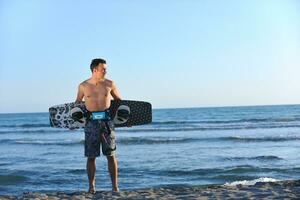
[99, 90]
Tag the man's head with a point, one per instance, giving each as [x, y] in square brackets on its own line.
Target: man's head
[98, 66]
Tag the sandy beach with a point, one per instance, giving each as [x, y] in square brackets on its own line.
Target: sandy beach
[269, 190]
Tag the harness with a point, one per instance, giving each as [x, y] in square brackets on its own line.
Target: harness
[98, 115]
[101, 116]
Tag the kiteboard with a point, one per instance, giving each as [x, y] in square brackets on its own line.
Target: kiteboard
[124, 113]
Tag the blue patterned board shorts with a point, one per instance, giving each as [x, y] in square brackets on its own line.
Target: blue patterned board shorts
[99, 132]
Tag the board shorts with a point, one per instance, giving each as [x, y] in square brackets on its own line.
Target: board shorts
[99, 133]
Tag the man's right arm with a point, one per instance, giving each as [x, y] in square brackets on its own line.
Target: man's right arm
[80, 94]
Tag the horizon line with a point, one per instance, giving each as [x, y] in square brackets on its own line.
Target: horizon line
[193, 107]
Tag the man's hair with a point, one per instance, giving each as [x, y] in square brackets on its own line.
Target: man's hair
[95, 62]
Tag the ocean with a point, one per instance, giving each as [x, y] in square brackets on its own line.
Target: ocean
[190, 146]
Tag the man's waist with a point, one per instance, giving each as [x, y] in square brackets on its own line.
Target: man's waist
[98, 115]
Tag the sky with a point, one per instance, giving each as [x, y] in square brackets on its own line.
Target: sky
[171, 53]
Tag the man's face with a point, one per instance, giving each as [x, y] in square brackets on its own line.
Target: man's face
[101, 70]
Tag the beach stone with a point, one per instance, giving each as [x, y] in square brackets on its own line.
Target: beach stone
[276, 190]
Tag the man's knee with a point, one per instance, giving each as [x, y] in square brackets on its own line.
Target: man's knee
[111, 158]
[91, 159]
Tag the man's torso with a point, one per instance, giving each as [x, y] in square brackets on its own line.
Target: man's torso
[97, 97]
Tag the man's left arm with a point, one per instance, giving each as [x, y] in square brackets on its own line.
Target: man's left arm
[116, 95]
[114, 92]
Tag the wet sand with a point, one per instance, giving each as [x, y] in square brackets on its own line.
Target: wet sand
[271, 190]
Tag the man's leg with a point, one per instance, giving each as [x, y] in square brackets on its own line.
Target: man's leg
[91, 170]
[91, 151]
[113, 171]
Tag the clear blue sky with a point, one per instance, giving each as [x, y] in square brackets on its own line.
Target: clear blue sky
[172, 53]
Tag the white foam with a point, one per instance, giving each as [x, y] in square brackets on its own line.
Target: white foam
[251, 182]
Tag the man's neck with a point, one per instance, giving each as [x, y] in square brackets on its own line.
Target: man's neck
[96, 80]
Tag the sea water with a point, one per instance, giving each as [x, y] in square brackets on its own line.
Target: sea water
[191, 146]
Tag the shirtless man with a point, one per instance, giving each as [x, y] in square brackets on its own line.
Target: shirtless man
[97, 93]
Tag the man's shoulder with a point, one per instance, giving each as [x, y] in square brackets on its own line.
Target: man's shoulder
[83, 83]
[109, 82]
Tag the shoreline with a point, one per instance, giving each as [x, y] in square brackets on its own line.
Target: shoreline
[289, 189]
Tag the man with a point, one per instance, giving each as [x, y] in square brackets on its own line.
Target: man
[97, 93]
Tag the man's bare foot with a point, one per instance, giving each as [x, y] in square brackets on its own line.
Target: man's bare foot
[92, 190]
[115, 189]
